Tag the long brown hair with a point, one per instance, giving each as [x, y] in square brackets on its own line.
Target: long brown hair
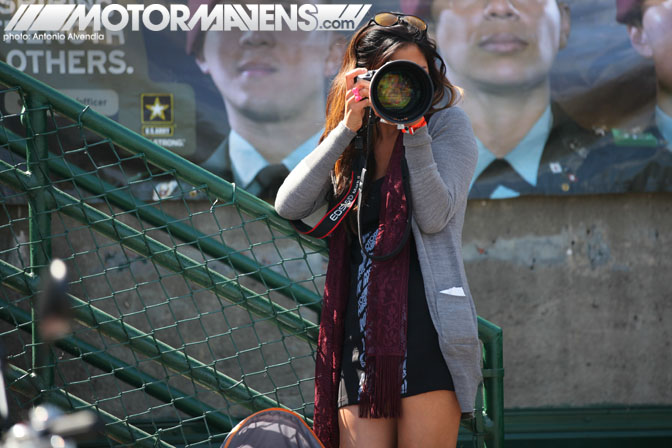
[370, 47]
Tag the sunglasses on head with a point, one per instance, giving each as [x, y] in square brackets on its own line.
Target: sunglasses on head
[392, 18]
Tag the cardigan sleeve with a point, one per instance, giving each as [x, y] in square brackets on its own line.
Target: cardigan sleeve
[441, 161]
[305, 188]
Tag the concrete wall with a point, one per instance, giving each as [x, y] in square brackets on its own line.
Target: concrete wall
[582, 287]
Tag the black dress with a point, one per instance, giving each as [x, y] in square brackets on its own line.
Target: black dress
[424, 368]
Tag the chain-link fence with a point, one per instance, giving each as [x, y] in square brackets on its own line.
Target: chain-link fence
[195, 304]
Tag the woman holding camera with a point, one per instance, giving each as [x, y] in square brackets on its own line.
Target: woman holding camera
[398, 359]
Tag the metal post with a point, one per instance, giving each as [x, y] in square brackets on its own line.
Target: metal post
[493, 373]
[39, 215]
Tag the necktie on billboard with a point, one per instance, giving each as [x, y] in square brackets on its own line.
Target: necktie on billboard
[500, 177]
[268, 180]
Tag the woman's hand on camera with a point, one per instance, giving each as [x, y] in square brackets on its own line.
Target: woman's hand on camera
[354, 107]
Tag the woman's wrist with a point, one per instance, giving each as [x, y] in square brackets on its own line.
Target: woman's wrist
[345, 125]
[419, 138]
[415, 126]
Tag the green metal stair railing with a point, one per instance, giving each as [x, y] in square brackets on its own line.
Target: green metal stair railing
[38, 173]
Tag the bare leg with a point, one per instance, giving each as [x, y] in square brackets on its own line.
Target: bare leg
[429, 420]
[365, 432]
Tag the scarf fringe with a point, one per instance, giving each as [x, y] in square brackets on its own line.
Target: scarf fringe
[381, 395]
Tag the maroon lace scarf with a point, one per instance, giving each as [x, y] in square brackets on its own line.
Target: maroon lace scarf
[386, 315]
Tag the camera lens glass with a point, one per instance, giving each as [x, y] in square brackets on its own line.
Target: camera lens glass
[395, 91]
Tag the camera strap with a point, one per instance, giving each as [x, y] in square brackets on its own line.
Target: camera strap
[407, 229]
[353, 195]
[335, 215]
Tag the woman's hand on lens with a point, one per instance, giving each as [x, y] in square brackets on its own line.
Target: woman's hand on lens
[354, 107]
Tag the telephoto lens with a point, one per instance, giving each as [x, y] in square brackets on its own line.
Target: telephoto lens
[401, 91]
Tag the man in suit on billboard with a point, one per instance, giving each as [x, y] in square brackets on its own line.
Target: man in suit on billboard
[273, 87]
[502, 52]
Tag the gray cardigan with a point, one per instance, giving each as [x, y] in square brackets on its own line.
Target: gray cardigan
[441, 160]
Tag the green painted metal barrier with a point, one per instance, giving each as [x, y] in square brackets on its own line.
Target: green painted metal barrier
[194, 303]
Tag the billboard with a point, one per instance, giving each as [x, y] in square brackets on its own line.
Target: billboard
[565, 98]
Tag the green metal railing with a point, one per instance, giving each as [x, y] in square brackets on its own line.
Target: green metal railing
[195, 303]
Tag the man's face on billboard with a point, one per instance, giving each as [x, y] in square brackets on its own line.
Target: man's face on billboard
[267, 75]
[501, 43]
[657, 24]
